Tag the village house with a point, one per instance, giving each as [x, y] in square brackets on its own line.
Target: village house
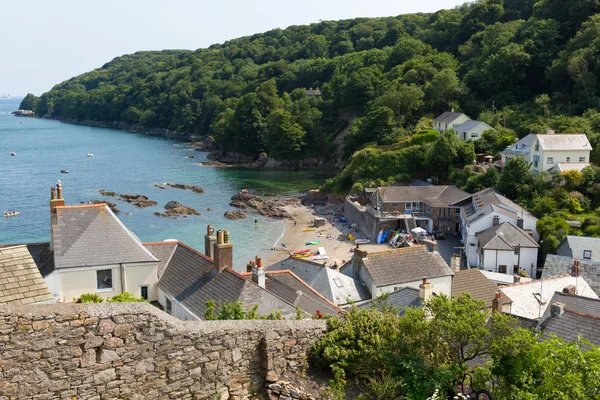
[313, 92]
[474, 282]
[521, 148]
[580, 247]
[404, 298]
[93, 252]
[487, 209]
[557, 265]
[465, 127]
[390, 270]
[188, 279]
[551, 149]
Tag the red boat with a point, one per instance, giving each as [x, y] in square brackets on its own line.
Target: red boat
[302, 251]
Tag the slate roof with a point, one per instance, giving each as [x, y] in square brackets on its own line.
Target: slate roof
[163, 251]
[470, 125]
[402, 298]
[573, 246]
[563, 141]
[522, 146]
[191, 280]
[90, 235]
[505, 236]
[570, 166]
[572, 324]
[448, 195]
[498, 278]
[20, 279]
[448, 117]
[530, 299]
[335, 286]
[473, 281]
[403, 265]
[289, 287]
[559, 265]
[573, 302]
[489, 201]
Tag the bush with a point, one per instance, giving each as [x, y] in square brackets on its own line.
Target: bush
[126, 297]
[89, 298]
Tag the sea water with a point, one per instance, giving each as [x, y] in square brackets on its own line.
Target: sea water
[124, 162]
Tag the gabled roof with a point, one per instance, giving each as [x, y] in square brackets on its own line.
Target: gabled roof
[577, 244]
[335, 286]
[564, 141]
[447, 195]
[448, 117]
[489, 201]
[91, 235]
[570, 166]
[570, 325]
[404, 265]
[478, 285]
[505, 236]
[20, 279]
[289, 287]
[558, 265]
[402, 298]
[191, 280]
[163, 251]
[573, 302]
[470, 125]
[520, 147]
[530, 299]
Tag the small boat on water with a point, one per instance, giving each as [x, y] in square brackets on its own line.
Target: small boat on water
[11, 213]
[13, 154]
[362, 241]
[65, 171]
[90, 154]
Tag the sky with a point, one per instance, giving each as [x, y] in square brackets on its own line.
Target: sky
[46, 42]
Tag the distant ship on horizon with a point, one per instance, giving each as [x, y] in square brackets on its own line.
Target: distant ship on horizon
[5, 96]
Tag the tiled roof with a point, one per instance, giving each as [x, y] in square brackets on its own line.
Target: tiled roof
[564, 141]
[402, 298]
[335, 286]
[572, 324]
[530, 299]
[573, 302]
[491, 201]
[474, 282]
[505, 236]
[163, 251]
[559, 265]
[92, 235]
[406, 264]
[190, 278]
[448, 195]
[20, 279]
[447, 117]
[577, 244]
[471, 124]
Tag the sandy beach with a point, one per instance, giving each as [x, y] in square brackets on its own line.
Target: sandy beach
[294, 237]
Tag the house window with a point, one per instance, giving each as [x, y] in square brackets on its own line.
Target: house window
[568, 159]
[474, 135]
[408, 206]
[144, 292]
[536, 160]
[550, 160]
[169, 306]
[581, 159]
[457, 212]
[428, 209]
[537, 146]
[515, 269]
[502, 269]
[104, 280]
[587, 254]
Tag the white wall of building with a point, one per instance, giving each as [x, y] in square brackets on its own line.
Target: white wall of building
[444, 127]
[493, 259]
[137, 276]
[558, 156]
[440, 285]
[178, 310]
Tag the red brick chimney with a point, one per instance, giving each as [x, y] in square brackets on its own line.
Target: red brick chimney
[223, 252]
[576, 268]
[209, 241]
[56, 200]
[497, 303]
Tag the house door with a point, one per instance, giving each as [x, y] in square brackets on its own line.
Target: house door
[144, 292]
[456, 227]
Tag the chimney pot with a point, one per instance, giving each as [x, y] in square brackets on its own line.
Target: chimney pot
[576, 268]
[557, 309]
[497, 303]
[59, 191]
[571, 289]
[259, 276]
[223, 253]
[209, 241]
[425, 290]
[516, 279]
[259, 264]
[520, 223]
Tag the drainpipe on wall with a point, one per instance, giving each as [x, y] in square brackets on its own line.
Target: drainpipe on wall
[123, 282]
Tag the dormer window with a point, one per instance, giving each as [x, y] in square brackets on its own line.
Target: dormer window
[587, 254]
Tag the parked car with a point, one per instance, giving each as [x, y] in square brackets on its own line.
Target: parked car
[440, 236]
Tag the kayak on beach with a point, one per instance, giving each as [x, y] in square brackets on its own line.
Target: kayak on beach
[313, 243]
[302, 251]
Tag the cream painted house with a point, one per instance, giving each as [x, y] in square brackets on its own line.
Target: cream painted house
[471, 130]
[95, 253]
[449, 120]
[551, 149]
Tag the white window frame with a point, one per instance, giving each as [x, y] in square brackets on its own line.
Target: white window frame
[568, 159]
[98, 288]
[474, 135]
[581, 159]
[588, 253]
[550, 160]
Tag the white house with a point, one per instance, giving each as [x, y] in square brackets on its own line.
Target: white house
[522, 148]
[506, 249]
[390, 270]
[487, 207]
[471, 130]
[449, 120]
[580, 247]
[95, 253]
[551, 149]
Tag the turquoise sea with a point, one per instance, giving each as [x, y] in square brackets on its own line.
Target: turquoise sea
[124, 162]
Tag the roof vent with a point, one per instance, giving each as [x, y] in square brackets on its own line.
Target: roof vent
[549, 131]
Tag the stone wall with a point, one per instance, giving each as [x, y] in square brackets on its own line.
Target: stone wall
[135, 351]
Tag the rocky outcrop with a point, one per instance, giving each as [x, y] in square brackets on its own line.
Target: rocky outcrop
[214, 163]
[107, 193]
[195, 189]
[272, 208]
[138, 200]
[284, 390]
[235, 215]
[315, 197]
[231, 157]
[237, 204]
[110, 205]
[174, 208]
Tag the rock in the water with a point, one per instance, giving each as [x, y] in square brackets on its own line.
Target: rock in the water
[235, 215]
[138, 200]
[237, 203]
[190, 156]
[175, 208]
[107, 193]
[195, 189]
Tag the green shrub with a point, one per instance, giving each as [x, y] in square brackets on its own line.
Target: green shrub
[89, 298]
[126, 297]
